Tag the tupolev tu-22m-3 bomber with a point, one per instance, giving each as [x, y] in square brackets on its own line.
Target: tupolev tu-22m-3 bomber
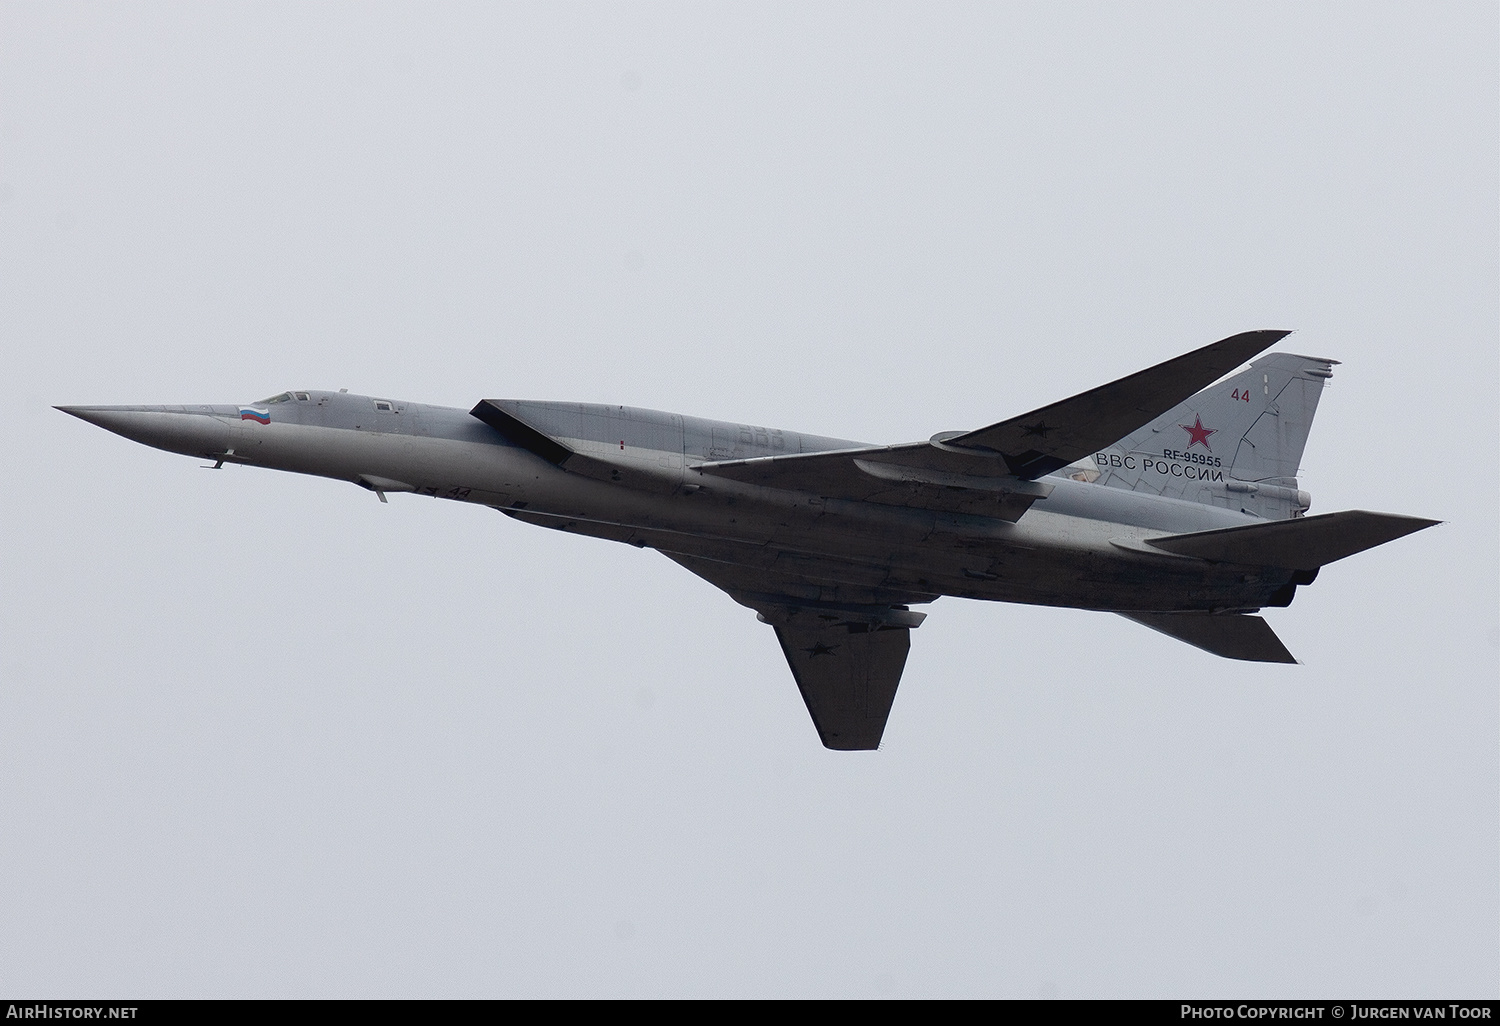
[1169, 497]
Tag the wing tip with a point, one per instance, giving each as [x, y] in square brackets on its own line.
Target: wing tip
[1255, 342]
[834, 744]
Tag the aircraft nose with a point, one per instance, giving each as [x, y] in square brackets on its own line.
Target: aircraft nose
[114, 418]
[174, 428]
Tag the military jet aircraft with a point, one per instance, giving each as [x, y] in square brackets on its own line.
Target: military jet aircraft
[1169, 497]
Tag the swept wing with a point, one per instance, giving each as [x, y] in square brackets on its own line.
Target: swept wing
[847, 657]
[994, 469]
[1050, 438]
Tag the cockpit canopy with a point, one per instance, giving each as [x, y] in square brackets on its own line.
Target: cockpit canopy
[286, 397]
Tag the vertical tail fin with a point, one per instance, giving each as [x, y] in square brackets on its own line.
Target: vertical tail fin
[1236, 444]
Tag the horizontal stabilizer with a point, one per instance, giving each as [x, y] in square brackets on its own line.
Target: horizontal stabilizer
[1302, 544]
[1047, 439]
[1231, 635]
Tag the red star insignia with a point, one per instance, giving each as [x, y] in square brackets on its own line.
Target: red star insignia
[1198, 434]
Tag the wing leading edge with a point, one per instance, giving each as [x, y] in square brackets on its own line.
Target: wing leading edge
[993, 470]
[1050, 438]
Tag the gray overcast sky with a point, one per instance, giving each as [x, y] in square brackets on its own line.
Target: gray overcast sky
[262, 735]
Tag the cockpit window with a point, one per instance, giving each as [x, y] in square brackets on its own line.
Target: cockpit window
[383, 405]
[303, 397]
[284, 397]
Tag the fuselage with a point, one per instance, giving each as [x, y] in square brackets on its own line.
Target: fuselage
[1081, 545]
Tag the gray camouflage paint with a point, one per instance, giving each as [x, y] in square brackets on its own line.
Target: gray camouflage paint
[1079, 546]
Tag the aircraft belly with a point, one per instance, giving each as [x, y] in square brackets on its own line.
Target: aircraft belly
[1047, 558]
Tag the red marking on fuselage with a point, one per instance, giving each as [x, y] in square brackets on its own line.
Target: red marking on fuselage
[1198, 434]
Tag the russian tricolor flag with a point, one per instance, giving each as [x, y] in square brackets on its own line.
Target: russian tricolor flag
[259, 416]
